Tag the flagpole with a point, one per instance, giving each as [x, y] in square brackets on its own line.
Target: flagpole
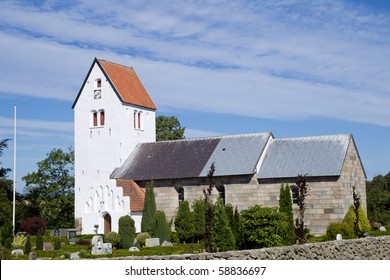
[14, 191]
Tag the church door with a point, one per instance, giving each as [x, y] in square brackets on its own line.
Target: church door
[107, 223]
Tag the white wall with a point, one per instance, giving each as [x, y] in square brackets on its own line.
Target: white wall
[98, 150]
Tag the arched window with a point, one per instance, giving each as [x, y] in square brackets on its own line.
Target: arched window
[94, 121]
[221, 194]
[139, 120]
[180, 194]
[102, 117]
[295, 194]
[135, 118]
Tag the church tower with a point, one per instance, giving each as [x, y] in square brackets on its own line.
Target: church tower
[112, 114]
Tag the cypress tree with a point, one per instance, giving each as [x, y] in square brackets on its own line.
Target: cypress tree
[199, 212]
[161, 227]
[149, 208]
[39, 242]
[126, 231]
[184, 223]
[222, 238]
[285, 206]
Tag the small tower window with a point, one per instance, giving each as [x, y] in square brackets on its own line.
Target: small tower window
[98, 83]
[139, 120]
[94, 118]
[102, 117]
[135, 119]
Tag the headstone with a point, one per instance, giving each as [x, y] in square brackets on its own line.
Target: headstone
[382, 228]
[47, 246]
[71, 236]
[100, 248]
[167, 244]
[97, 245]
[133, 249]
[74, 256]
[32, 256]
[366, 234]
[63, 232]
[107, 248]
[339, 237]
[152, 242]
[17, 252]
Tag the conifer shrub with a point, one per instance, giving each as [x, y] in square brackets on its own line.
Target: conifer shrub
[222, 238]
[126, 231]
[57, 243]
[7, 234]
[261, 227]
[149, 209]
[27, 245]
[199, 214]
[141, 238]
[184, 223]
[113, 238]
[39, 242]
[350, 217]
[285, 206]
[161, 227]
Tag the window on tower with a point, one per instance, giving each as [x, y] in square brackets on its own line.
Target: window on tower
[102, 117]
[98, 83]
[94, 118]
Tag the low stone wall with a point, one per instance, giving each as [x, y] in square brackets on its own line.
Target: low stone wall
[370, 248]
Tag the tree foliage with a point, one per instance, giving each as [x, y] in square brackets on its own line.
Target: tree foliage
[168, 128]
[378, 199]
[209, 213]
[262, 227]
[149, 208]
[34, 226]
[126, 231]
[51, 189]
[184, 223]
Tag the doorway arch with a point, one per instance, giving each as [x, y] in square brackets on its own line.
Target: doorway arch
[107, 223]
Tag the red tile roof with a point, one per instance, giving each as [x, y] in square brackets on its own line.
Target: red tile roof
[127, 84]
[135, 192]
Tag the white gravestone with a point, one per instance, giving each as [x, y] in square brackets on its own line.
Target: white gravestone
[339, 237]
[100, 248]
[152, 242]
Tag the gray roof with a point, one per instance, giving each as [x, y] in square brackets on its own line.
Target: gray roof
[232, 155]
[314, 156]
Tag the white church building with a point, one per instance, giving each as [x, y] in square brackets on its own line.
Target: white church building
[112, 113]
[116, 154]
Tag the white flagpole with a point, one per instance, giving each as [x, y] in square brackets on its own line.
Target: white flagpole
[14, 193]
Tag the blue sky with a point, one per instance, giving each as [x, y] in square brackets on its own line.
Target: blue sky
[295, 68]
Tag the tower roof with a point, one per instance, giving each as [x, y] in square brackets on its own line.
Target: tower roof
[125, 83]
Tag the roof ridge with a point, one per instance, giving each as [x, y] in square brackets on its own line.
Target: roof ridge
[215, 137]
[122, 65]
[314, 136]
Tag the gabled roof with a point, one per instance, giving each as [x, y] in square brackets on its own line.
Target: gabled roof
[232, 155]
[125, 83]
[314, 156]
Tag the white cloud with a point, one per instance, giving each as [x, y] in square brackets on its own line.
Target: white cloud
[272, 59]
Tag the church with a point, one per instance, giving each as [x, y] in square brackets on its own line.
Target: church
[116, 154]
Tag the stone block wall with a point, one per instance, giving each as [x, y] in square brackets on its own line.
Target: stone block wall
[371, 248]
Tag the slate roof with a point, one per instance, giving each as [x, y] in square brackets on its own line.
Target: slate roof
[125, 83]
[232, 155]
[314, 156]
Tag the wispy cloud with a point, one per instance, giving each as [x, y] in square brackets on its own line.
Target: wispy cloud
[272, 59]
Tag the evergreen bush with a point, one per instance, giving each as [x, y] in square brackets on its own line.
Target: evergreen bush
[222, 238]
[57, 243]
[184, 223]
[261, 227]
[161, 227]
[113, 238]
[149, 208]
[344, 229]
[7, 234]
[141, 238]
[126, 231]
